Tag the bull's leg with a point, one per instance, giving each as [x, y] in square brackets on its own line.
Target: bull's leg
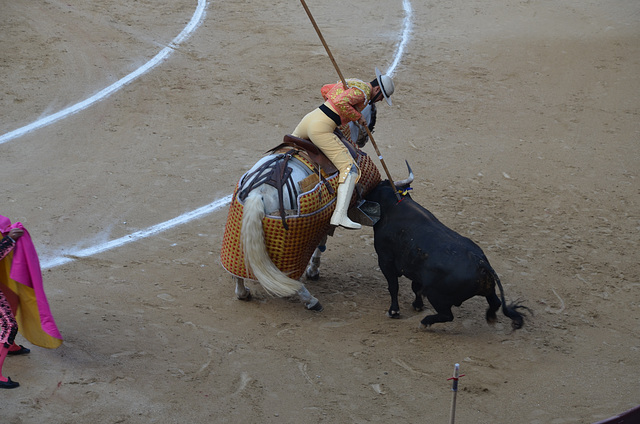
[494, 305]
[418, 303]
[242, 292]
[390, 273]
[313, 269]
[443, 310]
[309, 301]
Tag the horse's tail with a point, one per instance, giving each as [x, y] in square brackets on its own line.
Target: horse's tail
[510, 310]
[255, 250]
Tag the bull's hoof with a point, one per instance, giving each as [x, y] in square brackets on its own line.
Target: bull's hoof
[424, 326]
[517, 323]
[418, 307]
[393, 314]
[317, 307]
[426, 323]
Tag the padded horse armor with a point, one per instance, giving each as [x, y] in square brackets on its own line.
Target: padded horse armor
[291, 249]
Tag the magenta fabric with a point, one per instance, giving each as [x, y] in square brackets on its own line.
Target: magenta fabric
[25, 269]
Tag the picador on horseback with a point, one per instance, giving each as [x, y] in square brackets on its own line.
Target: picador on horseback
[287, 203]
[343, 105]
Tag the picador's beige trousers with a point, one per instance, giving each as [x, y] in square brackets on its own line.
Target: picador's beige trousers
[318, 127]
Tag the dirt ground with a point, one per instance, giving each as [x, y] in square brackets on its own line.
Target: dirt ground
[520, 120]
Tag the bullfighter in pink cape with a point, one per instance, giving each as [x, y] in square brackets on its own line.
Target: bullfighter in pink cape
[21, 284]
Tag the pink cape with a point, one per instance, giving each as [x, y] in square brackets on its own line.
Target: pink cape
[35, 321]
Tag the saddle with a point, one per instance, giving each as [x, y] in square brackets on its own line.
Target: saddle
[314, 153]
[276, 172]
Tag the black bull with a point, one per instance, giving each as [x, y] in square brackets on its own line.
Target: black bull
[442, 265]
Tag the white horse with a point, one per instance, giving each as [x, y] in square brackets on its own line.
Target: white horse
[261, 199]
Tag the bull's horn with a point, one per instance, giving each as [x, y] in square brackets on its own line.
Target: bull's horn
[405, 183]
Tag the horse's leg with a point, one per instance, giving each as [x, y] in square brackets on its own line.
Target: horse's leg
[313, 272]
[242, 292]
[313, 269]
[309, 301]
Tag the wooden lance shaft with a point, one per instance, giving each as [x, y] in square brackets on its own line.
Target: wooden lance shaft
[344, 84]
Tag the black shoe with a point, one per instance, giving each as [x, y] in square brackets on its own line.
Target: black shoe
[22, 351]
[9, 384]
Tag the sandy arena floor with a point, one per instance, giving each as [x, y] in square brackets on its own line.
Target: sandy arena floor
[520, 119]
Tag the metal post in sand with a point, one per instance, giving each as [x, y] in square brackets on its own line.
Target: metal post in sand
[454, 389]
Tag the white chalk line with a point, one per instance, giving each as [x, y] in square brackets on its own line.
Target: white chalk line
[71, 255]
[407, 26]
[195, 21]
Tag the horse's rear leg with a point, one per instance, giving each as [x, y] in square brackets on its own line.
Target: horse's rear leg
[242, 292]
[309, 301]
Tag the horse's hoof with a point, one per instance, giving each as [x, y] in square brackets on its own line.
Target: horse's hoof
[393, 314]
[313, 277]
[246, 297]
[316, 308]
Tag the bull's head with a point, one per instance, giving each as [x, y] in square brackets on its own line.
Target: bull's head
[368, 211]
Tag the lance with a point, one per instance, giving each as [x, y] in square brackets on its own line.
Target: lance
[344, 84]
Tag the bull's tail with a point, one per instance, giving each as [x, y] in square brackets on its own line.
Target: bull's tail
[510, 310]
[255, 250]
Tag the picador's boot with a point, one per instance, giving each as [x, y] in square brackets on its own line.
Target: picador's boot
[345, 190]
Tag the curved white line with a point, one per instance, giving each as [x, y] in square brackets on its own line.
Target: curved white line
[217, 204]
[404, 40]
[195, 21]
[71, 255]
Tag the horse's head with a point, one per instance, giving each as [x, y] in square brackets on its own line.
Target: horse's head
[358, 133]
